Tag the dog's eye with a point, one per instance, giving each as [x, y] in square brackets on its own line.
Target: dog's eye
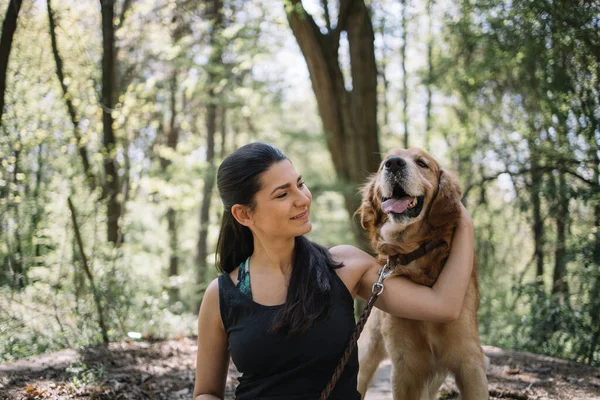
[422, 164]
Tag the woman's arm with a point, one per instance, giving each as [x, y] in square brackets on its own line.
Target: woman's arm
[406, 299]
[212, 360]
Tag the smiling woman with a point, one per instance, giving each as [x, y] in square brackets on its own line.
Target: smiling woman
[283, 306]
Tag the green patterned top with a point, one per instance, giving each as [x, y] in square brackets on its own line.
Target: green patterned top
[243, 283]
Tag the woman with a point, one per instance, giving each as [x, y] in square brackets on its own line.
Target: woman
[283, 308]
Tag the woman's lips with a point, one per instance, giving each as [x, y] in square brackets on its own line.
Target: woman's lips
[300, 216]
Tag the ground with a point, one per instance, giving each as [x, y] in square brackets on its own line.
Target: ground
[165, 370]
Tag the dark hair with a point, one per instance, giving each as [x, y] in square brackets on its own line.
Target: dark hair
[238, 181]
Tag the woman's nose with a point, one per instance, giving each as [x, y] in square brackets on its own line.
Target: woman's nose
[303, 199]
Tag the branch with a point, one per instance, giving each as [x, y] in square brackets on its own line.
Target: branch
[342, 19]
[325, 4]
[86, 268]
[126, 6]
[524, 171]
[91, 179]
[508, 394]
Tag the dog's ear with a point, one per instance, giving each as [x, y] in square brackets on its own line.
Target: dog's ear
[370, 208]
[445, 206]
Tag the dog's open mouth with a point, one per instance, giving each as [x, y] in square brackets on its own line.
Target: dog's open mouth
[401, 204]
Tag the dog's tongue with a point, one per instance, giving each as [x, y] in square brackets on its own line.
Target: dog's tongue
[396, 205]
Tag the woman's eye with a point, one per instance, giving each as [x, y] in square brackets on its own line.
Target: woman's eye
[281, 196]
[301, 184]
[421, 163]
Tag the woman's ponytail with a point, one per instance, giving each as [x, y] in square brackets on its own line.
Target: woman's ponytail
[238, 181]
[234, 245]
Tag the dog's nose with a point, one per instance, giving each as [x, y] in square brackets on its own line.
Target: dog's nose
[395, 164]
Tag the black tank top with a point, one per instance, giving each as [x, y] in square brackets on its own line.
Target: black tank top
[297, 367]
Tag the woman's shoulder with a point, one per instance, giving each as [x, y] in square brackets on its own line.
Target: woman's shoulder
[355, 264]
[211, 294]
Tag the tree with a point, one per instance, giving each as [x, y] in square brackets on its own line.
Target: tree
[111, 187]
[214, 14]
[68, 97]
[172, 138]
[429, 79]
[9, 26]
[404, 74]
[348, 110]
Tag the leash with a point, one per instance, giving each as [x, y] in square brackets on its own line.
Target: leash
[376, 290]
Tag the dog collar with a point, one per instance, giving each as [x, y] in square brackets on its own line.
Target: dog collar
[405, 259]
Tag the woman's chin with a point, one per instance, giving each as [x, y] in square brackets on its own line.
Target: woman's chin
[306, 227]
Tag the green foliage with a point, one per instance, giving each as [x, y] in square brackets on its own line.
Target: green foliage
[523, 74]
[538, 322]
[84, 376]
[515, 115]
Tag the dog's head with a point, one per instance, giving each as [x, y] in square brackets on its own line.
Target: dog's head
[408, 200]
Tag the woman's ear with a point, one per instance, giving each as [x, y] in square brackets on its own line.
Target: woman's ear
[242, 214]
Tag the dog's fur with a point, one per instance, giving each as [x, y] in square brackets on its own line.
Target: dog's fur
[422, 353]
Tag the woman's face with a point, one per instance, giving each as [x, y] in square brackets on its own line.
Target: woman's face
[282, 204]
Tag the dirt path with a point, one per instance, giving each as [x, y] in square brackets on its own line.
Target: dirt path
[165, 370]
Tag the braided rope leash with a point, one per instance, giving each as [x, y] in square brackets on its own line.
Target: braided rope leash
[376, 290]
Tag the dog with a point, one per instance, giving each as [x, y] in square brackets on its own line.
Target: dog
[412, 202]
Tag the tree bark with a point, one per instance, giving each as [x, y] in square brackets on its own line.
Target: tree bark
[223, 132]
[111, 185]
[174, 294]
[172, 140]
[595, 293]
[9, 26]
[429, 74]
[384, 75]
[536, 209]
[349, 116]
[404, 77]
[68, 100]
[19, 271]
[39, 209]
[560, 285]
[215, 15]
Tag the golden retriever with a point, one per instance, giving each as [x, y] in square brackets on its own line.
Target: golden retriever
[409, 202]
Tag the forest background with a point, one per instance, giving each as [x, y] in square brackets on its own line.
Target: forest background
[115, 115]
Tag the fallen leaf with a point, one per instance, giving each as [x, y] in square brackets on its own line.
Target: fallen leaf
[512, 371]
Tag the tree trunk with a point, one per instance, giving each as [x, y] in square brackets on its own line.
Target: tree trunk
[595, 293]
[87, 169]
[349, 116]
[112, 187]
[404, 77]
[9, 26]
[18, 268]
[536, 209]
[172, 140]
[215, 15]
[384, 76]
[174, 295]
[39, 209]
[429, 74]
[223, 132]
[560, 285]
